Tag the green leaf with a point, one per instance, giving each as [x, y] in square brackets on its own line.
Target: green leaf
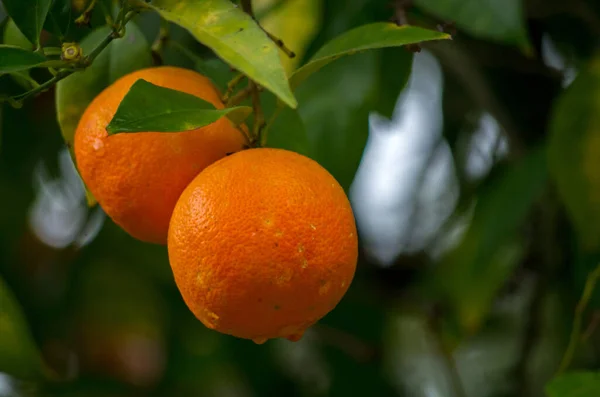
[15, 59]
[500, 20]
[574, 153]
[13, 36]
[296, 23]
[234, 37]
[217, 71]
[75, 93]
[59, 19]
[148, 107]
[473, 272]
[335, 108]
[366, 37]
[29, 16]
[395, 67]
[337, 101]
[19, 355]
[575, 384]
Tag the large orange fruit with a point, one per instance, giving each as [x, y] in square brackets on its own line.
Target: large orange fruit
[263, 244]
[137, 178]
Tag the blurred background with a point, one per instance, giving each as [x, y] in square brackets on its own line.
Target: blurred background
[470, 265]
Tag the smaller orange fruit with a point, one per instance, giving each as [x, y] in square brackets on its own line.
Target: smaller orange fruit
[263, 244]
[137, 178]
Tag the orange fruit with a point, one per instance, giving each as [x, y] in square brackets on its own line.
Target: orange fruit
[137, 178]
[263, 244]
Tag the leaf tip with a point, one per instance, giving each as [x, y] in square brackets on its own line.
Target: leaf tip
[291, 102]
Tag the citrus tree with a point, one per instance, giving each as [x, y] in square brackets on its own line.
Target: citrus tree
[221, 138]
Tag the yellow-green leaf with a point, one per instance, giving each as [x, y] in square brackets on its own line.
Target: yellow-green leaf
[234, 36]
[19, 356]
[295, 22]
[575, 384]
[13, 36]
[574, 153]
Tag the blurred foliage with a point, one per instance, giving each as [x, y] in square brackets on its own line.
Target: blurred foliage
[483, 306]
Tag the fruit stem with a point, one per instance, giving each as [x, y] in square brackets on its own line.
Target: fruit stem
[267, 127]
[161, 40]
[238, 98]
[231, 86]
[259, 117]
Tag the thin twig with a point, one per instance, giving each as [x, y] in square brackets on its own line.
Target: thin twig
[259, 117]
[161, 40]
[589, 331]
[44, 86]
[588, 290]
[270, 9]
[247, 7]
[84, 18]
[231, 85]
[279, 43]
[107, 14]
[239, 97]
[82, 64]
[269, 124]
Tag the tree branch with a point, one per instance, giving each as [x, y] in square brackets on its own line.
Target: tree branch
[117, 32]
[588, 290]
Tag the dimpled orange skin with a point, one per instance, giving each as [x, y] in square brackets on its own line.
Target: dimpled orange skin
[138, 177]
[263, 244]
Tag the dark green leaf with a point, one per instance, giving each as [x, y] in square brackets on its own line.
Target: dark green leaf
[148, 107]
[501, 20]
[234, 37]
[288, 130]
[14, 59]
[337, 101]
[473, 272]
[59, 19]
[574, 153]
[217, 71]
[335, 108]
[394, 71]
[14, 37]
[29, 16]
[367, 37]
[19, 355]
[575, 384]
[75, 93]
